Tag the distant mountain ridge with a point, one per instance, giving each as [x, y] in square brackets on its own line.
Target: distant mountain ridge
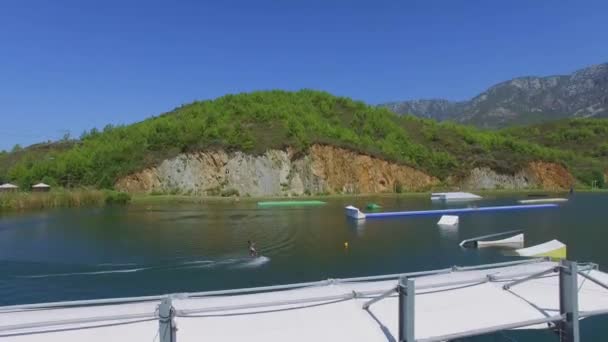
[523, 100]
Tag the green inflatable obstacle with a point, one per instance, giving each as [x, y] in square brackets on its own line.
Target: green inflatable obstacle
[270, 204]
[373, 206]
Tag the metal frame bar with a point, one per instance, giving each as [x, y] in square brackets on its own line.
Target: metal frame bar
[367, 304]
[585, 314]
[493, 329]
[500, 264]
[511, 276]
[593, 279]
[471, 281]
[186, 312]
[507, 286]
[479, 280]
[77, 321]
[396, 275]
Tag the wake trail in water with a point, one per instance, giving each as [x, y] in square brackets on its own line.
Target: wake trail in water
[110, 264]
[253, 262]
[208, 263]
[194, 264]
[197, 262]
[228, 263]
[131, 270]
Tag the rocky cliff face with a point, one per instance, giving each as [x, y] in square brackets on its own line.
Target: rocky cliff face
[324, 169]
[548, 176]
[523, 100]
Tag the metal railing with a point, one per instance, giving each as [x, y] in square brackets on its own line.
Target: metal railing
[567, 321]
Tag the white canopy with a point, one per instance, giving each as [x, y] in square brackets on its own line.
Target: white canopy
[41, 185]
[8, 186]
[455, 301]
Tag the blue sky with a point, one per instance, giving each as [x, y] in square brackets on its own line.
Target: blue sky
[74, 65]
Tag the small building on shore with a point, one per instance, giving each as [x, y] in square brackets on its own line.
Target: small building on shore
[41, 187]
[8, 187]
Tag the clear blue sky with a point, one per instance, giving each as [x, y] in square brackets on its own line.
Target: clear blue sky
[74, 65]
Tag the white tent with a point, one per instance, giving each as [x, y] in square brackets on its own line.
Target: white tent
[41, 186]
[9, 186]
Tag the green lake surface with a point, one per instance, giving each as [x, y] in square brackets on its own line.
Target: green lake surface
[139, 250]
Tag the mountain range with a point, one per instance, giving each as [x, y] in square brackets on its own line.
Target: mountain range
[522, 101]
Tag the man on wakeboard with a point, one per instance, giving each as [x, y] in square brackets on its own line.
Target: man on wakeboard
[252, 251]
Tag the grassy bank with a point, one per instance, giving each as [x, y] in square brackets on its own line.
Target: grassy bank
[61, 199]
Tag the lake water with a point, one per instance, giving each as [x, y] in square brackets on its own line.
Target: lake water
[155, 249]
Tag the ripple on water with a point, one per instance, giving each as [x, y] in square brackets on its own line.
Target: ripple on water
[50, 275]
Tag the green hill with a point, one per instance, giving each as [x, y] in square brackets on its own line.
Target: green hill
[255, 122]
[587, 138]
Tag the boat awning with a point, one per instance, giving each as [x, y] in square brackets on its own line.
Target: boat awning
[450, 302]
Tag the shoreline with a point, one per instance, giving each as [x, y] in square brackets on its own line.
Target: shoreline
[193, 199]
[82, 198]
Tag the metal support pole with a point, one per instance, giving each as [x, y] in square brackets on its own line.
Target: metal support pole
[407, 293]
[166, 324]
[568, 302]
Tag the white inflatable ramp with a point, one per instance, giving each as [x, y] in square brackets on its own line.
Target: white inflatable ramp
[552, 249]
[515, 241]
[448, 220]
[543, 200]
[454, 196]
[438, 305]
